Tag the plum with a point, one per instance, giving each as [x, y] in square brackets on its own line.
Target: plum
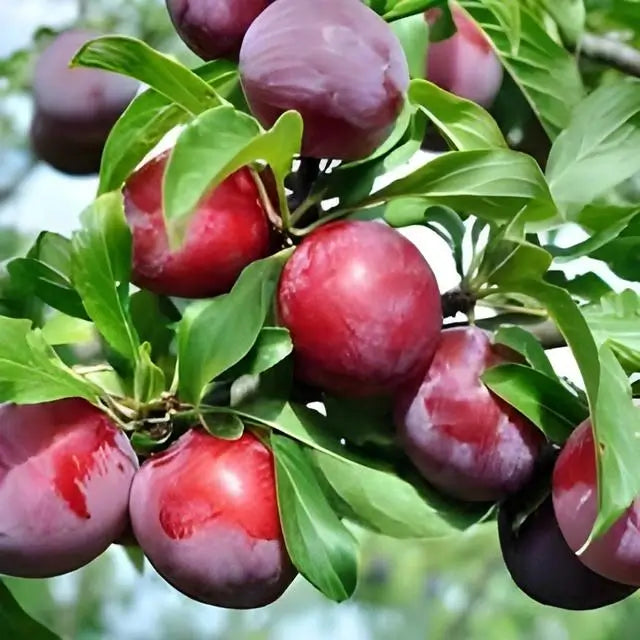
[214, 28]
[544, 567]
[337, 63]
[615, 555]
[75, 109]
[228, 231]
[362, 306]
[205, 514]
[65, 475]
[464, 64]
[461, 437]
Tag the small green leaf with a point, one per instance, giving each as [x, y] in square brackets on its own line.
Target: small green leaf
[466, 125]
[507, 261]
[219, 142]
[134, 58]
[320, 546]
[271, 347]
[527, 345]
[413, 33]
[16, 624]
[146, 120]
[226, 426]
[101, 264]
[397, 9]
[148, 380]
[31, 372]
[62, 329]
[545, 401]
[587, 286]
[569, 15]
[216, 334]
[136, 558]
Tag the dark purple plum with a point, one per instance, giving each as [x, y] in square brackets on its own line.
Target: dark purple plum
[65, 476]
[462, 438]
[363, 309]
[337, 63]
[205, 514]
[616, 554]
[214, 28]
[75, 109]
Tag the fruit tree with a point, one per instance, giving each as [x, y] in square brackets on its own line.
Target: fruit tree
[273, 366]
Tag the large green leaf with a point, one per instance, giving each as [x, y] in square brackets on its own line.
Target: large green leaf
[16, 624]
[545, 72]
[320, 546]
[134, 58]
[101, 266]
[466, 125]
[493, 184]
[30, 370]
[216, 334]
[527, 345]
[219, 142]
[599, 148]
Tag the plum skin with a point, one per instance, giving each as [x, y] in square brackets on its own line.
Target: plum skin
[228, 231]
[461, 437]
[362, 306]
[465, 64]
[543, 566]
[214, 28]
[206, 516]
[348, 80]
[615, 555]
[75, 109]
[65, 475]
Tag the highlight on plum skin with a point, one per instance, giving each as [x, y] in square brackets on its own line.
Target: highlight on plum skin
[228, 231]
[348, 81]
[65, 475]
[75, 108]
[214, 28]
[363, 309]
[465, 63]
[615, 555]
[461, 437]
[544, 567]
[205, 514]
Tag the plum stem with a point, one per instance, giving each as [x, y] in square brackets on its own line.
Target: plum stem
[457, 300]
[613, 53]
[274, 218]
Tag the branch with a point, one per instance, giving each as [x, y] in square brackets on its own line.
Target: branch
[611, 52]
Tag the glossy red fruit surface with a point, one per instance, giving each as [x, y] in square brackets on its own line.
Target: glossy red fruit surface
[65, 475]
[615, 555]
[228, 231]
[75, 108]
[465, 64]
[362, 306]
[337, 63]
[214, 28]
[205, 514]
[464, 439]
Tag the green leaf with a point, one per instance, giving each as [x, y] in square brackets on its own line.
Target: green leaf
[587, 286]
[216, 334]
[31, 372]
[154, 318]
[527, 345]
[320, 546]
[466, 125]
[599, 148]
[493, 184]
[546, 73]
[148, 380]
[145, 122]
[569, 15]
[136, 558]
[615, 322]
[136, 59]
[545, 401]
[101, 265]
[617, 429]
[219, 142]
[383, 501]
[16, 623]
[271, 347]
[62, 329]
[397, 9]
[226, 426]
[413, 33]
[360, 421]
[507, 13]
[507, 261]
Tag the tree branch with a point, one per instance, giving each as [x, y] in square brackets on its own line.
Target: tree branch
[611, 52]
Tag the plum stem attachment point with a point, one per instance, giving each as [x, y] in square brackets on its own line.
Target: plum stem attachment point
[458, 300]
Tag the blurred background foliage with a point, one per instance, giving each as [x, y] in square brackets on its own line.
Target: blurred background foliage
[446, 589]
